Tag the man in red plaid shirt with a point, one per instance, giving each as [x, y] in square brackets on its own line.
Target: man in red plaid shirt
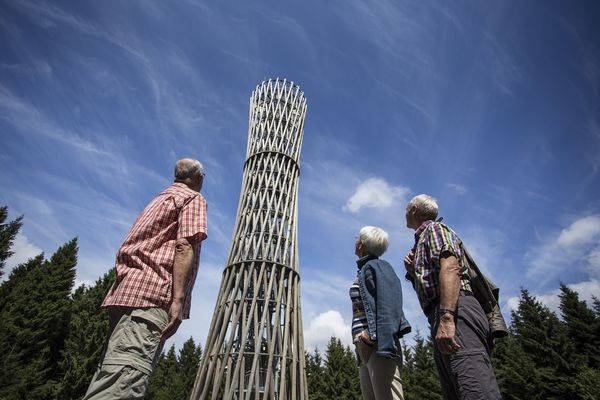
[156, 268]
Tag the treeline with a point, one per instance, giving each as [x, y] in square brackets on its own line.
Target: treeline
[544, 357]
[51, 338]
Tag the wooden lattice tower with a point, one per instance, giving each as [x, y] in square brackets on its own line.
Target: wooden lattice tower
[255, 346]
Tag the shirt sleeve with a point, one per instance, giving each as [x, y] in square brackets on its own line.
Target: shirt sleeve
[192, 220]
[442, 240]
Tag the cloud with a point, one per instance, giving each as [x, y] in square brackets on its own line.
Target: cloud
[576, 246]
[28, 118]
[585, 289]
[582, 231]
[593, 260]
[79, 282]
[23, 250]
[375, 193]
[457, 188]
[325, 325]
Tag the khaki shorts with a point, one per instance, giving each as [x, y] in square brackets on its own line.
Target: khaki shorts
[130, 354]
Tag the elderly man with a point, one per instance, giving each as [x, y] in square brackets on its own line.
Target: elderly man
[156, 268]
[436, 266]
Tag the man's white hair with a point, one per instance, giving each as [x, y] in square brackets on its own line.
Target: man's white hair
[374, 240]
[187, 169]
[424, 206]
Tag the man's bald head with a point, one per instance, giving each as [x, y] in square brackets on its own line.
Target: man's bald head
[190, 172]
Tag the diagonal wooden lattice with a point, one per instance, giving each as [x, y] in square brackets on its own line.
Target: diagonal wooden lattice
[255, 347]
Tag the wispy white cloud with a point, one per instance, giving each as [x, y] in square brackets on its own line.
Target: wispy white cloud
[28, 118]
[325, 285]
[375, 193]
[505, 69]
[577, 244]
[457, 188]
[36, 67]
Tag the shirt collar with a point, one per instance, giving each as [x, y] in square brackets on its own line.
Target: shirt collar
[363, 260]
[183, 186]
[421, 228]
[180, 184]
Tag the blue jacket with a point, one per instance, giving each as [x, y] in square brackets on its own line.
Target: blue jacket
[381, 294]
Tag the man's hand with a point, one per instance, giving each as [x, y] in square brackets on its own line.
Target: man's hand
[175, 312]
[409, 263]
[366, 338]
[444, 337]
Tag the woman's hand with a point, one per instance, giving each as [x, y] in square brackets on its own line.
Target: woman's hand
[366, 338]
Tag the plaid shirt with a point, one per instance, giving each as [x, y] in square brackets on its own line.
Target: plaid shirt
[431, 240]
[144, 262]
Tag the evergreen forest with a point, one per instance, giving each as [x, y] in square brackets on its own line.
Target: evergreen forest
[51, 337]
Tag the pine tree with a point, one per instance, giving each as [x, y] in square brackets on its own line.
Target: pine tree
[340, 374]
[544, 338]
[188, 361]
[166, 383]
[587, 383]
[34, 324]
[596, 301]
[314, 375]
[17, 275]
[17, 332]
[87, 332]
[515, 371]
[8, 232]
[581, 327]
[419, 372]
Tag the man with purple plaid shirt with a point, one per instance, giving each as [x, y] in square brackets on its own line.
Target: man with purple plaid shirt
[437, 268]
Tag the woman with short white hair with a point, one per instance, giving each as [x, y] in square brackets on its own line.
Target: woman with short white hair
[378, 321]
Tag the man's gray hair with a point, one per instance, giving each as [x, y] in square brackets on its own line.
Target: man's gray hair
[425, 207]
[374, 240]
[187, 169]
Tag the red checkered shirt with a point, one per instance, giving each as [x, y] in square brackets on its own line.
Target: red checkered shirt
[145, 260]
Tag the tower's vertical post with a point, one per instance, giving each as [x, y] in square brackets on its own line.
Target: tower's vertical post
[255, 349]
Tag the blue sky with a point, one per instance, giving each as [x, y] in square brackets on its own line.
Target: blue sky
[491, 107]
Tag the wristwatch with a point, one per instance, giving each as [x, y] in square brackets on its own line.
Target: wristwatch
[443, 311]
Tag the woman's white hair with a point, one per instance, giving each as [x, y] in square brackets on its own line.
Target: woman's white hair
[374, 240]
[424, 206]
[187, 169]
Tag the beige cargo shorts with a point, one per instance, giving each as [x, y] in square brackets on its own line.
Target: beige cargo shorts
[129, 355]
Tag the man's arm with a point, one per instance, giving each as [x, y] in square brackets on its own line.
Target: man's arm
[449, 291]
[182, 265]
